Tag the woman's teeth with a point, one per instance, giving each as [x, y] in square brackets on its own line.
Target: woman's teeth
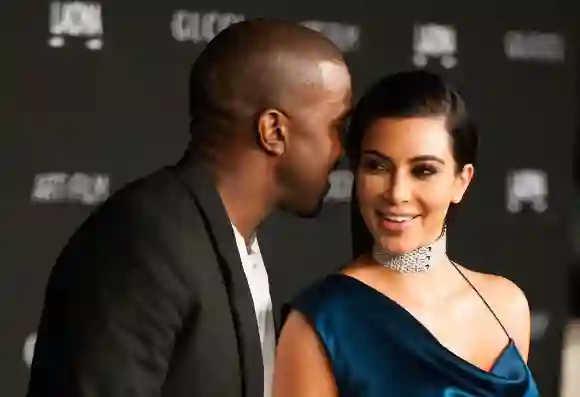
[394, 218]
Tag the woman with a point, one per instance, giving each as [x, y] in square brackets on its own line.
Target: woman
[403, 319]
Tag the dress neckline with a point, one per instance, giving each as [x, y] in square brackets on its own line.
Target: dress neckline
[510, 345]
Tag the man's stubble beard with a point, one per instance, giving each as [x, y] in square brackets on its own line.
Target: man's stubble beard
[320, 204]
[317, 209]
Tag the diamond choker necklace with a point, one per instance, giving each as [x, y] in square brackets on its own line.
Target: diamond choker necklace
[417, 261]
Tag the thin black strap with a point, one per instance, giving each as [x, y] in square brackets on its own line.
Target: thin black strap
[482, 298]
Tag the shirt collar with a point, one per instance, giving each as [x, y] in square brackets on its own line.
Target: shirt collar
[250, 248]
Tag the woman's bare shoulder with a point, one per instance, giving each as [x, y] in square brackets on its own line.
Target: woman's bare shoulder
[302, 367]
[509, 303]
[498, 289]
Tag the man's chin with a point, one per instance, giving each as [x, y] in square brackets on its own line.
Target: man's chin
[314, 212]
[311, 211]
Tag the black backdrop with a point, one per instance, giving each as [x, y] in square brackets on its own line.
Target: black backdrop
[119, 111]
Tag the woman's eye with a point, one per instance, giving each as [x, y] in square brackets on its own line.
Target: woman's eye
[424, 171]
[374, 165]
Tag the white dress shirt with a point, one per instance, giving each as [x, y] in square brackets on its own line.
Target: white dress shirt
[257, 277]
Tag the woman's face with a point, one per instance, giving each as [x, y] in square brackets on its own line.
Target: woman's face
[406, 180]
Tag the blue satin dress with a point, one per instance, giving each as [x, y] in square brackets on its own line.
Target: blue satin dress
[378, 349]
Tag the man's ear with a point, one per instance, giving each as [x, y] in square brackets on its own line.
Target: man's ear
[273, 132]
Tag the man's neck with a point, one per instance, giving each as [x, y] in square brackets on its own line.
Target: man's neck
[245, 208]
[243, 188]
[245, 197]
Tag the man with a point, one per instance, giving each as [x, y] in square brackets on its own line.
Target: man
[162, 291]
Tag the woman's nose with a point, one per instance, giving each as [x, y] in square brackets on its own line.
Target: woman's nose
[397, 189]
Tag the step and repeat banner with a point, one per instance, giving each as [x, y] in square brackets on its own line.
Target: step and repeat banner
[94, 95]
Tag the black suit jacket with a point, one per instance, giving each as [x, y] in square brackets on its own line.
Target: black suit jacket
[149, 298]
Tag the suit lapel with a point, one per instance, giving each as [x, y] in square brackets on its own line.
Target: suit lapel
[199, 182]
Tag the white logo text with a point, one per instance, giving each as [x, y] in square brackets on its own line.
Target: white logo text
[76, 19]
[79, 187]
[527, 186]
[434, 41]
[341, 182]
[534, 46]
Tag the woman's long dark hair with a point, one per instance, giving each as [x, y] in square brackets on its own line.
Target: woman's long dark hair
[407, 94]
[362, 239]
